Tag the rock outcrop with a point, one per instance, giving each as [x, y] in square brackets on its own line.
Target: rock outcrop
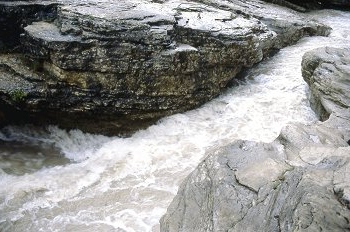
[300, 182]
[113, 66]
[327, 72]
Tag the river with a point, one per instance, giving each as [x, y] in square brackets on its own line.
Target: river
[54, 180]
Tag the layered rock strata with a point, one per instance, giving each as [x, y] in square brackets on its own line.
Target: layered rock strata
[113, 66]
[297, 183]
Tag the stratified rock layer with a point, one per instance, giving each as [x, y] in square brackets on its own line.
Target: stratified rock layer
[112, 66]
[300, 182]
[327, 71]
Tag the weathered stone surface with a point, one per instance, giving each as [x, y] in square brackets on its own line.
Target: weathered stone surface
[300, 182]
[327, 71]
[132, 62]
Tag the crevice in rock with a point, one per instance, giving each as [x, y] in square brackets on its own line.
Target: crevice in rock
[288, 4]
[13, 18]
[246, 186]
[302, 6]
[339, 193]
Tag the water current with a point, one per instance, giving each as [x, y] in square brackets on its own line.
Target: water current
[54, 180]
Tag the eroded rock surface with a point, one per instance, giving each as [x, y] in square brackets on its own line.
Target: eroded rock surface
[300, 182]
[111, 66]
[327, 71]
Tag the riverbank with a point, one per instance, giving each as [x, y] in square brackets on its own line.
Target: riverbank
[113, 68]
[127, 184]
[296, 183]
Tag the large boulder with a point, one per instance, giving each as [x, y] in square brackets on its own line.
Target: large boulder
[297, 183]
[327, 72]
[112, 67]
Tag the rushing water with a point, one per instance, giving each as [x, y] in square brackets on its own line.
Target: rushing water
[53, 180]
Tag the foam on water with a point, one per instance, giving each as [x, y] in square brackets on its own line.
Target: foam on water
[126, 184]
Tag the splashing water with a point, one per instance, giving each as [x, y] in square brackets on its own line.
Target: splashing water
[125, 184]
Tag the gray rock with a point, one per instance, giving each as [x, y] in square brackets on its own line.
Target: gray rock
[297, 183]
[112, 67]
[327, 71]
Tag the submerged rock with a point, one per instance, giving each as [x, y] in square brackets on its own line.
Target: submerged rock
[297, 183]
[115, 66]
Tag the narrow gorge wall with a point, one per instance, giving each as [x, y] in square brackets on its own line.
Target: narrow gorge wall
[297, 183]
[114, 67]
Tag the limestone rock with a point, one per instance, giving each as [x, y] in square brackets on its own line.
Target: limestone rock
[327, 72]
[115, 66]
[300, 182]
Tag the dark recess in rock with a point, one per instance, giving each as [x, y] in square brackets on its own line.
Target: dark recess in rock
[14, 18]
[302, 6]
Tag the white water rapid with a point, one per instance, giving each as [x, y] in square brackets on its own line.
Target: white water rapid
[70, 181]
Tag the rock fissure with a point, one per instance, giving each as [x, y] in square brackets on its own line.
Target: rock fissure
[256, 191]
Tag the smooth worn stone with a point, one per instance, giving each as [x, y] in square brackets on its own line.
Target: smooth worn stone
[118, 66]
[300, 182]
[249, 176]
[327, 72]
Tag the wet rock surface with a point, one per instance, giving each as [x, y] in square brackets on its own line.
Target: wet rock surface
[297, 183]
[327, 71]
[110, 67]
